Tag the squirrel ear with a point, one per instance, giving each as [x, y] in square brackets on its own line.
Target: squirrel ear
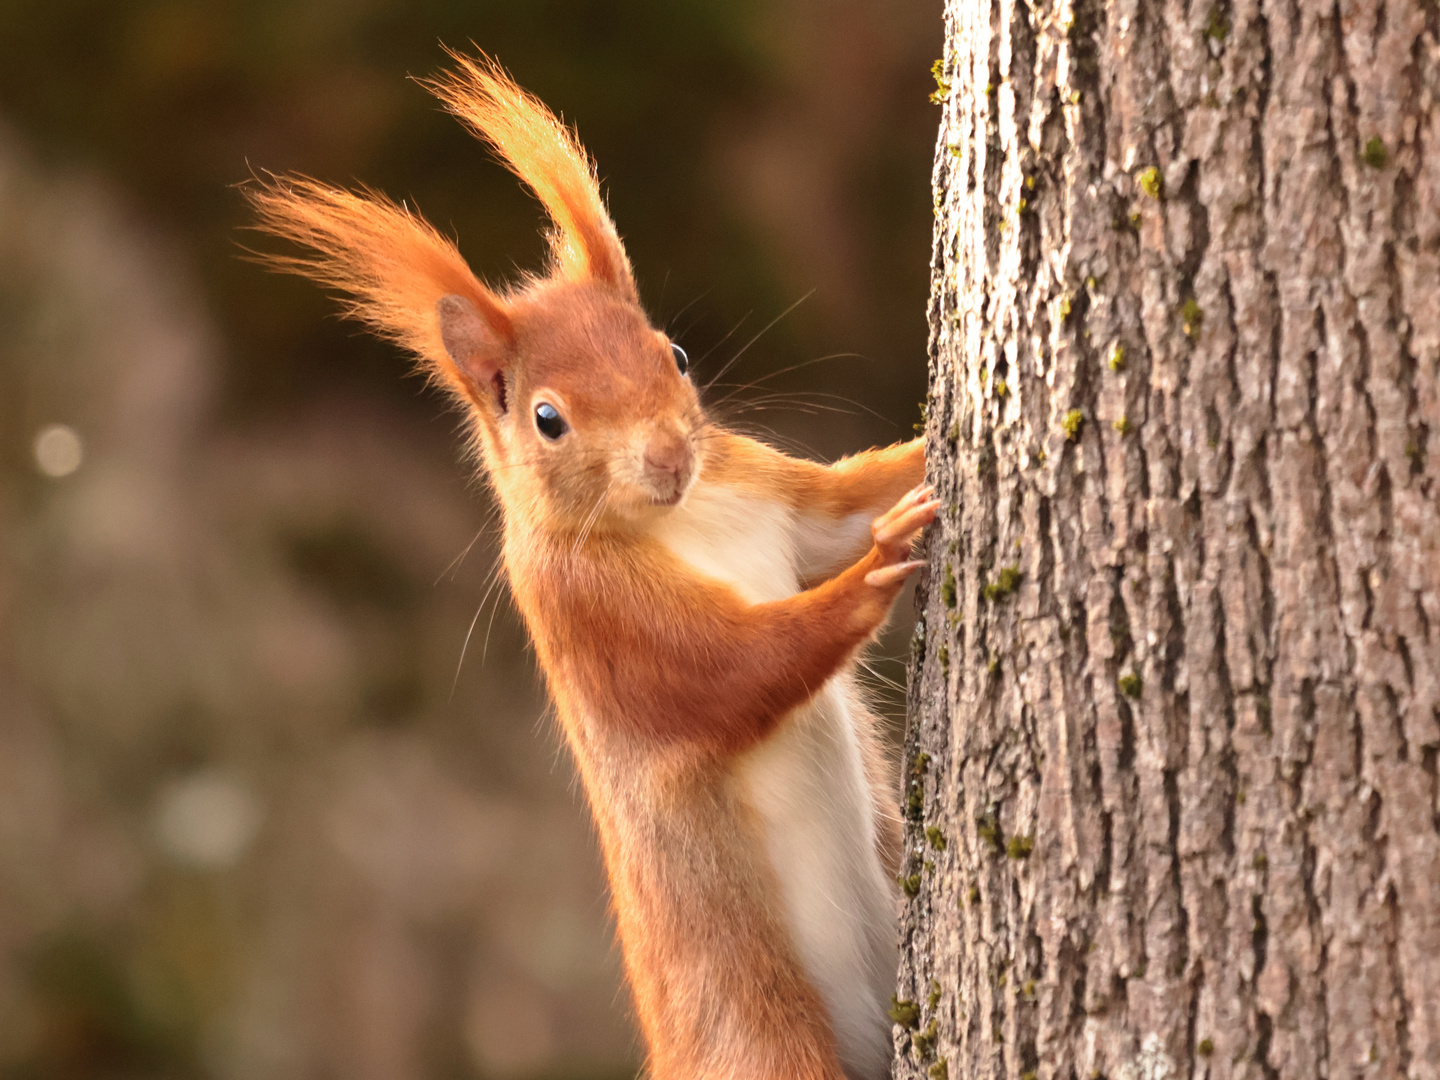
[473, 345]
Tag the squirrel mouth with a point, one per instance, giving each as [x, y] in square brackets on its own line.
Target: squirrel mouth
[671, 501]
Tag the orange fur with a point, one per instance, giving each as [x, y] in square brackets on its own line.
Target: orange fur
[393, 264]
[544, 154]
[686, 678]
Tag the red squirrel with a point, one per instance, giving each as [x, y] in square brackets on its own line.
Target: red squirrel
[696, 601]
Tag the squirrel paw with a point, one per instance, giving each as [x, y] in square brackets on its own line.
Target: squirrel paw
[895, 532]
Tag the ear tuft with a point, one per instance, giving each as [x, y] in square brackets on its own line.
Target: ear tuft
[544, 153]
[394, 266]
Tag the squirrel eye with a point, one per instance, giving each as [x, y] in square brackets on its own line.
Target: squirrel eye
[549, 422]
[681, 360]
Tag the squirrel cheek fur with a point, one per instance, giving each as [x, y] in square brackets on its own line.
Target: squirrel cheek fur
[696, 600]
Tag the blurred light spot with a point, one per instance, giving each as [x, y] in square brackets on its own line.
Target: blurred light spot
[58, 450]
[207, 819]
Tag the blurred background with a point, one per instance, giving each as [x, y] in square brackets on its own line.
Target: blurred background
[257, 820]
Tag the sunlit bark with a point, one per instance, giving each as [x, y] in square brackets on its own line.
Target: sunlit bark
[1172, 766]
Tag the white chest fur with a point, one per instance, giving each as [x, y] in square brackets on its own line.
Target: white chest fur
[746, 542]
[807, 786]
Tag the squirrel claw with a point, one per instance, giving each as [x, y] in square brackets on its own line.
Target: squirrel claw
[889, 575]
[897, 527]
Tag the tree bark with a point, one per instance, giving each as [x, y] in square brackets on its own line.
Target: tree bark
[1171, 774]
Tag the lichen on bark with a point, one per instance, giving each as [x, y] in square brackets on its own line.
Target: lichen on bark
[1207, 708]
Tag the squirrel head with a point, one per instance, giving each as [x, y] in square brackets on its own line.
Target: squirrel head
[586, 417]
[581, 410]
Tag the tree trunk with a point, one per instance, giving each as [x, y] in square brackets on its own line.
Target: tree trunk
[1172, 789]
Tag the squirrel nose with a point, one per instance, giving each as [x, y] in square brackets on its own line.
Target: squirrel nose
[668, 451]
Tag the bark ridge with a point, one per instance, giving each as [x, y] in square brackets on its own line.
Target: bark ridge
[1171, 776]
